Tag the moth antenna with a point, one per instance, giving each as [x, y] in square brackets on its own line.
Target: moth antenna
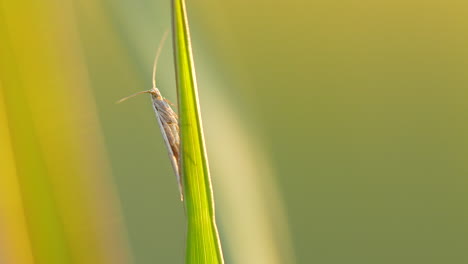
[158, 52]
[130, 96]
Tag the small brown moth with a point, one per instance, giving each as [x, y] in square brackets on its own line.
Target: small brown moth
[167, 120]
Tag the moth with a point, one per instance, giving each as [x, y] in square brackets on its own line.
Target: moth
[167, 119]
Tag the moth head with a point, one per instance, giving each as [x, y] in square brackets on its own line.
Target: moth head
[155, 93]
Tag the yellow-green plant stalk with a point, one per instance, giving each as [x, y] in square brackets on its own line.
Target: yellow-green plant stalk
[56, 197]
[203, 245]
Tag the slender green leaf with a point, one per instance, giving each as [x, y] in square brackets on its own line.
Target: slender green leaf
[203, 244]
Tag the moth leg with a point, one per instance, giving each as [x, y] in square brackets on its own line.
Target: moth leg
[169, 102]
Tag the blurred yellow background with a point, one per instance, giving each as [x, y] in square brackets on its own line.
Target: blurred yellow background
[336, 131]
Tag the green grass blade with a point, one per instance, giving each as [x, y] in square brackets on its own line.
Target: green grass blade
[203, 244]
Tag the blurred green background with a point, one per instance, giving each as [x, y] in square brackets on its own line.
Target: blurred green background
[336, 131]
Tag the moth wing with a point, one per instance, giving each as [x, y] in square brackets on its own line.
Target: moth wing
[170, 132]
